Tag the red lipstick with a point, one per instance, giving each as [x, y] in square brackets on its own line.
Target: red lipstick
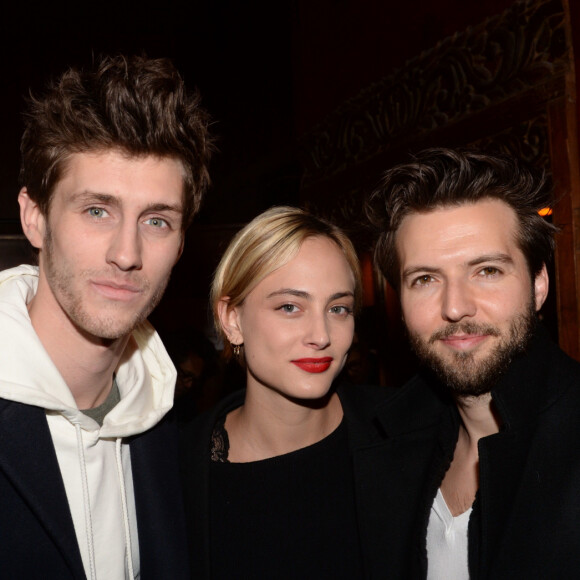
[313, 365]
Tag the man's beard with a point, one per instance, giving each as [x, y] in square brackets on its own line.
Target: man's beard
[466, 376]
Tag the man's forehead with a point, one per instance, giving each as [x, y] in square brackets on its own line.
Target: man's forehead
[110, 170]
[444, 228]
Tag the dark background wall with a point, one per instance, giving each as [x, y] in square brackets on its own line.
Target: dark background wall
[268, 73]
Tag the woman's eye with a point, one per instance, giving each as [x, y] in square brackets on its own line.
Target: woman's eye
[288, 308]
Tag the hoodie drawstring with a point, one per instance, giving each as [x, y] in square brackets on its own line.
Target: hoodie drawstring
[124, 506]
[87, 505]
[86, 502]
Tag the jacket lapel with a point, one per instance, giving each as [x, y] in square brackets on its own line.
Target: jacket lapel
[159, 503]
[195, 444]
[527, 388]
[391, 475]
[500, 482]
[28, 460]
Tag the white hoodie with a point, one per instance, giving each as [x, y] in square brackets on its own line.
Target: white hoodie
[94, 462]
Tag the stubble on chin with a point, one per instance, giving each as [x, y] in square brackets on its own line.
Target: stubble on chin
[115, 322]
[465, 374]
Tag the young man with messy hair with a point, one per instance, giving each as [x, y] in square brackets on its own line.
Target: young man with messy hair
[114, 166]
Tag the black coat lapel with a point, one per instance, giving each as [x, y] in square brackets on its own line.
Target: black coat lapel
[159, 503]
[390, 475]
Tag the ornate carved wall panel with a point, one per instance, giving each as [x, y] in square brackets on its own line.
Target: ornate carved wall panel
[462, 75]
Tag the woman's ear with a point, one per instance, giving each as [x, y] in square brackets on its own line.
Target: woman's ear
[31, 218]
[229, 317]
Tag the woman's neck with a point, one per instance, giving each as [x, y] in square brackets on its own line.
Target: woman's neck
[269, 424]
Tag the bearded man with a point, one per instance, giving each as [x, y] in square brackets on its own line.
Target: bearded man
[481, 468]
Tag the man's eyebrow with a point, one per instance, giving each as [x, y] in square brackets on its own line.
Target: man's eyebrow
[106, 198]
[164, 207]
[90, 196]
[499, 257]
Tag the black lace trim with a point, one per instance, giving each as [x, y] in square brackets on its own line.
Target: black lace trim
[220, 443]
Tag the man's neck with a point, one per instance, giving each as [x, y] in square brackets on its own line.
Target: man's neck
[478, 416]
[461, 481]
[86, 364]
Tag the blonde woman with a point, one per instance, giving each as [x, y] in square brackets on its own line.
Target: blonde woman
[269, 482]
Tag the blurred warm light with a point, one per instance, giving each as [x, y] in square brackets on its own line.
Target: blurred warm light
[545, 211]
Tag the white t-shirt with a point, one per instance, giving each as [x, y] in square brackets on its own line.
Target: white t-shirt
[446, 542]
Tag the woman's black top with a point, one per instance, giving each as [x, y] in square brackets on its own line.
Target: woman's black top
[291, 516]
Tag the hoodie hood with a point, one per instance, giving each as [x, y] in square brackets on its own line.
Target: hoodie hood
[145, 374]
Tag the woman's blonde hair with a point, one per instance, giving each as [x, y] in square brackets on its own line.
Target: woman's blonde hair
[267, 243]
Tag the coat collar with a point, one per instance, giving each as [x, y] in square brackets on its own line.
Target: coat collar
[359, 406]
[532, 382]
[413, 407]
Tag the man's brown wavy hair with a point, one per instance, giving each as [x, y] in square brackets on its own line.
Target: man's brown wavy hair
[135, 105]
[440, 178]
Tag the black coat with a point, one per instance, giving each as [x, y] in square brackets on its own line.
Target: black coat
[358, 404]
[37, 536]
[526, 517]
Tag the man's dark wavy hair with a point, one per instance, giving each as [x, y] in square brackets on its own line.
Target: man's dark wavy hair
[439, 178]
[136, 105]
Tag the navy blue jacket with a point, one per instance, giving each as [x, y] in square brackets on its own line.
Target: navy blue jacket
[37, 536]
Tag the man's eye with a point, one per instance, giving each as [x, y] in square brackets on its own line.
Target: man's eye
[157, 222]
[489, 271]
[422, 280]
[341, 310]
[97, 212]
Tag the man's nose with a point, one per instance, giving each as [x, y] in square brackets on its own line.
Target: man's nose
[125, 248]
[458, 301]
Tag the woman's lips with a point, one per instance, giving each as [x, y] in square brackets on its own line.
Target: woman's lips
[313, 365]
